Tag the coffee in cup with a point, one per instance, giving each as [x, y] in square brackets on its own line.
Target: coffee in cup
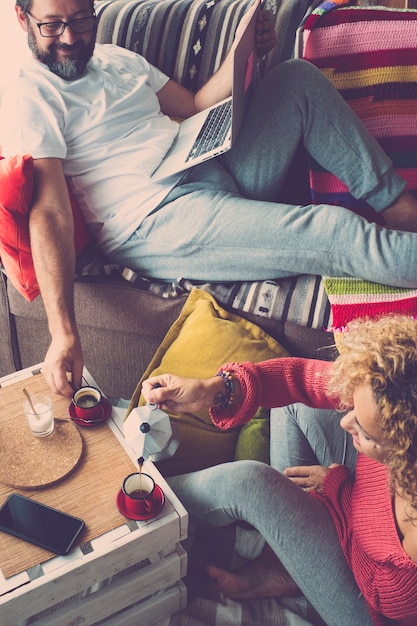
[139, 493]
[87, 403]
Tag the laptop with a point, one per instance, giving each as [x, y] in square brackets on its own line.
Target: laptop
[211, 132]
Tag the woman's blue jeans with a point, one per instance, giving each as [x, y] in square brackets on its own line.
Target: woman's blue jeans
[301, 435]
[297, 527]
[224, 222]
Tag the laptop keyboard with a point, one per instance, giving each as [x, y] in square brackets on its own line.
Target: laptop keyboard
[214, 130]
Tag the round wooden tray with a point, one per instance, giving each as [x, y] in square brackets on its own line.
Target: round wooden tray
[27, 462]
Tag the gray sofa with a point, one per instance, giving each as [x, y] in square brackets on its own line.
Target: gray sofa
[122, 322]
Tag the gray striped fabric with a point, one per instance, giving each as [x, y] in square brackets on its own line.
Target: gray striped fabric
[188, 39]
[300, 299]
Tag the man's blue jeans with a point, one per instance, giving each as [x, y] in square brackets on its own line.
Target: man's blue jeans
[224, 222]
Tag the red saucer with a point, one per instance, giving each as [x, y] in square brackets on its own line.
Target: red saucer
[141, 517]
[106, 409]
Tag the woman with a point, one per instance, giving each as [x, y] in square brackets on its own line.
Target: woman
[370, 518]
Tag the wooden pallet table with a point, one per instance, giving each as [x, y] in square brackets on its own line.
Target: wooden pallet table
[123, 572]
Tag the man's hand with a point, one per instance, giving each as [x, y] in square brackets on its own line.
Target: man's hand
[265, 37]
[64, 356]
[308, 477]
[178, 102]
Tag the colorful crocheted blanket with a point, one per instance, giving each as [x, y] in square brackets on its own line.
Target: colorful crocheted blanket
[351, 298]
[370, 55]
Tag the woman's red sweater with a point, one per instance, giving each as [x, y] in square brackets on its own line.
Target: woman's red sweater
[362, 509]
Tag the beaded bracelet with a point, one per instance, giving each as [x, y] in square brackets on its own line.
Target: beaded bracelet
[230, 390]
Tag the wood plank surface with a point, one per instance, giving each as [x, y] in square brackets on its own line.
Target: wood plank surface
[88, 492]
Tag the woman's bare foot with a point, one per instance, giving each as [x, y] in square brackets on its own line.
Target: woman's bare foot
[402, 214]
[264, 577]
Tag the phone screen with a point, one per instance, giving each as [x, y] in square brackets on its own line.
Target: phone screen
[40, 524]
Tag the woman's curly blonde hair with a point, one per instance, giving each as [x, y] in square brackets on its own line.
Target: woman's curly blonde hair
[382, 353]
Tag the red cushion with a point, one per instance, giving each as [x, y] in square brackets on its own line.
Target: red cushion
[16, 188]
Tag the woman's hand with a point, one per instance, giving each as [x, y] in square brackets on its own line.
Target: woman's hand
[176, 394]
[308, 477]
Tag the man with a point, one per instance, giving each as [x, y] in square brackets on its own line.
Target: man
[98, 117]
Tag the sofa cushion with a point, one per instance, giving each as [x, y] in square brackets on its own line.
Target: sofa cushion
[204, 337]
[16, 188]
[120, 326]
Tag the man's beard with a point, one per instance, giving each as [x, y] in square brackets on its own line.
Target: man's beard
[69, 68]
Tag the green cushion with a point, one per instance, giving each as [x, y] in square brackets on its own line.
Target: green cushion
[253, 440]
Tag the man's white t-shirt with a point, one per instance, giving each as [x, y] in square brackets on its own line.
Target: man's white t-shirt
[107, 129]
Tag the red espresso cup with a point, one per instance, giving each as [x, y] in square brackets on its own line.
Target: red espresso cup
[87, 403]
[139, 494]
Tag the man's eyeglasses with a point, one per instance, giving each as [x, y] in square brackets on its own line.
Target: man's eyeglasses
[55, 29]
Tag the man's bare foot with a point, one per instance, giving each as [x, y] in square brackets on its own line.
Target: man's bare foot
[264, 577]
[402, 214]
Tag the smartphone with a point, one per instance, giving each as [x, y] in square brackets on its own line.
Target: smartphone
[42, 525]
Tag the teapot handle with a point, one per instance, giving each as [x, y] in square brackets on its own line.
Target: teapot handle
[154, 406]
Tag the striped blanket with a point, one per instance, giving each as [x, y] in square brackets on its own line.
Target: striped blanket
[299, 299]
[370, 55]
[351, 298]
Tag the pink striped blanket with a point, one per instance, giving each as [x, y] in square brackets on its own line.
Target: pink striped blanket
[370, 55]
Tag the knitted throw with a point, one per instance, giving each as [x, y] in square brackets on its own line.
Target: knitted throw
[370, 55]
[351, 298]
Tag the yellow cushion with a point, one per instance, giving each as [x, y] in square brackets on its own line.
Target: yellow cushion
[204, 337]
